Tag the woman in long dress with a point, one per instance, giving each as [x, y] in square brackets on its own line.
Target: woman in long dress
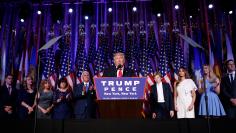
[45, 100]
[26, 99]
[210, 87]
[184, 95]
[62, 101]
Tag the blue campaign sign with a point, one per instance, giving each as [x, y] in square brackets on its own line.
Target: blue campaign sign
[125, 88]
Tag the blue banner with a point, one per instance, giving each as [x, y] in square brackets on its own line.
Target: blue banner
[125, 88]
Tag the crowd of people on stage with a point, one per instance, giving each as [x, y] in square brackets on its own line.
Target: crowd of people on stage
[209, 97]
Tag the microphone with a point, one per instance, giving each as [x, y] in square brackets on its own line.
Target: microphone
[119, 67]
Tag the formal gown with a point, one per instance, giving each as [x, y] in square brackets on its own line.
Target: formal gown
[45, 100]
[184, 98]
[215, 108]
[62, 109]
[28, 98]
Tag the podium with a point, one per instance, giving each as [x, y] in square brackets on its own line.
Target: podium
[120, 98]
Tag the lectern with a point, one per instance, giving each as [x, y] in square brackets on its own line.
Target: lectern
[120, 98]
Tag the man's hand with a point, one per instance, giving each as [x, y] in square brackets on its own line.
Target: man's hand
[154, 115]
[172, 113]
[233, 101]
[8, 109]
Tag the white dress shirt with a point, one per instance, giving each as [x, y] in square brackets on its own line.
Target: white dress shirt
[86, 84]
[233, 75]
[160, 94]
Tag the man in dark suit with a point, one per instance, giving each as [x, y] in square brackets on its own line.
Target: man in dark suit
[84, 96]
[228, 89]
[118, 70]
[8, 96]
[161, 97]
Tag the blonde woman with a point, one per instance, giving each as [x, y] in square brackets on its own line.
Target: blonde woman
[184, 95]
[45, 100]
[210, 87]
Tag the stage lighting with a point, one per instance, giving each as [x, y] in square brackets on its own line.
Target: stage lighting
[109, 9]
[22, 20]
[87, 9]
[158, 15]
[227, 6]
[25, 10]
[210, 6]
[57, 12]
[157, 7]
[70, 10]
[176, 7]
[134, 9]
[191, 17]
[39, 12]
[192, 8]
[86, 17]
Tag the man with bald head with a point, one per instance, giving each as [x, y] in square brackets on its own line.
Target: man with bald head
[119, 69]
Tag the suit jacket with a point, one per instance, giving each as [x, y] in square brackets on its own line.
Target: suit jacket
[112, 72]
[7, 100]
[84, 102]
[168, 97]
[228, 90]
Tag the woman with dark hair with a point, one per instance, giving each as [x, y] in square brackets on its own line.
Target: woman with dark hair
[45, 100]
[26, 99]
[184, 95]
[62, 100]
[210, 87]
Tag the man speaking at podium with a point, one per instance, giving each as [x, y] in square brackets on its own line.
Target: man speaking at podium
[119, 94]
[118, 70]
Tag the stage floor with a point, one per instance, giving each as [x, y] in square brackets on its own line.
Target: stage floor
[122, 126]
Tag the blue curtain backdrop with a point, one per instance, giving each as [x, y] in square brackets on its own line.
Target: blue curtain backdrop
[150, 43]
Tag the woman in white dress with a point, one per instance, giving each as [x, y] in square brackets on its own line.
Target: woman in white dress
[184, 95]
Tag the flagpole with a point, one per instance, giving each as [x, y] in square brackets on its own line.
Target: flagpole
[36, 99]
[206, 103]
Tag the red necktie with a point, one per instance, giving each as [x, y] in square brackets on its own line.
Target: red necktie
[119, 73]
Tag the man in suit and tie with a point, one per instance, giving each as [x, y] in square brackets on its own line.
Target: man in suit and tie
[84, 96]
[228, 89]
[161, 97]
[8, 96]
[118, 70]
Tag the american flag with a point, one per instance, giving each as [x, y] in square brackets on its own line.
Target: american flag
[144, 65]
[152, 49]
[117, 40]
[81, 58]
[132, 51]
[92, 46]
[48, 62]
[49, 66]
[165, 55]
[66, 67]
[100, 56]
[198, 56]
[178, 56]
[145, 70]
